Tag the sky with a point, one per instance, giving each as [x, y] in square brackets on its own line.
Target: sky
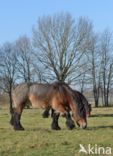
[17, 17]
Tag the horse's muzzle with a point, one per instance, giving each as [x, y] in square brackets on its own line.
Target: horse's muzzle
[82, 124]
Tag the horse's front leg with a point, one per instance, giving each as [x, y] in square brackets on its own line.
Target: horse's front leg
[54, 124]
[60, 108]
[45, 114]
[69, 122]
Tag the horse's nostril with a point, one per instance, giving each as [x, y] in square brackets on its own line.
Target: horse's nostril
[83, 126]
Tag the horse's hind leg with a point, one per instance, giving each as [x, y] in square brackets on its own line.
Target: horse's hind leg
[17, 125]
[55, 118]
[69, 122]
[16, 118]
[45, 114]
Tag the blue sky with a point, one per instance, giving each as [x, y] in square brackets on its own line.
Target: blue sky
[18, 16]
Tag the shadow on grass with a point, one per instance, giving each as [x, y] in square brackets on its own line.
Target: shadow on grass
[98, 127]
[77, 128]
[102, 115]
[45, 130]
[39, 129]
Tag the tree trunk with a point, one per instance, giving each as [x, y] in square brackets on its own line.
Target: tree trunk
[96, 102]
[96, 96]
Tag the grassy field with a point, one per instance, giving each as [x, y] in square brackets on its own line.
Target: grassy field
[39, 140]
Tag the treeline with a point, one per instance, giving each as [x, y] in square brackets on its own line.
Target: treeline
[61, 48]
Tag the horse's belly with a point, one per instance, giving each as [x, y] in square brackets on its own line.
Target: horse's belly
[37, 103]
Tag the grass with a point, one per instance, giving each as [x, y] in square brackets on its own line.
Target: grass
[39, 140]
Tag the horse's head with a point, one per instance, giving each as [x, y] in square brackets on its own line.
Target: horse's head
[79, 112]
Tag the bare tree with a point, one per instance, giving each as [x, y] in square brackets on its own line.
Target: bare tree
[60, 44]
[101, 64]
[8, 69]
[24, 58]
[82, 81]
[107, 63]
[94, 64]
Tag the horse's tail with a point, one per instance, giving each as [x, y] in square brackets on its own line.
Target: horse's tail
[11, 104]
[11, 108]
[11, 99]
[11, 111]
[12, 117]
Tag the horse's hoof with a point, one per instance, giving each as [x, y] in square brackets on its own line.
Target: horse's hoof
[22, 129]
[55, 128]
[19, 129]
[70, 125]
[11, 122]
[45, 114]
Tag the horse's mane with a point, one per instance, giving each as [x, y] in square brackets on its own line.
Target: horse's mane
[84, 101]
[61, 87]
[68, 93]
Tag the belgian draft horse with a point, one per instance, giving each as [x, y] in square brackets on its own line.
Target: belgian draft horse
[57, 96]
[82, 103]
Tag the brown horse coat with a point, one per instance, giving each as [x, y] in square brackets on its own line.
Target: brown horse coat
[58, 96]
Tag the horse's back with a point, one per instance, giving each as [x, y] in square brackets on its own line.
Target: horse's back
[39, 95]
[39, 89]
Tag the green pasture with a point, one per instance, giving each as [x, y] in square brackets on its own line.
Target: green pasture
[39, 140]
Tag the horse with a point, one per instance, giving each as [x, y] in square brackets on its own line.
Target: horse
[82, 102]
[57, 96]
